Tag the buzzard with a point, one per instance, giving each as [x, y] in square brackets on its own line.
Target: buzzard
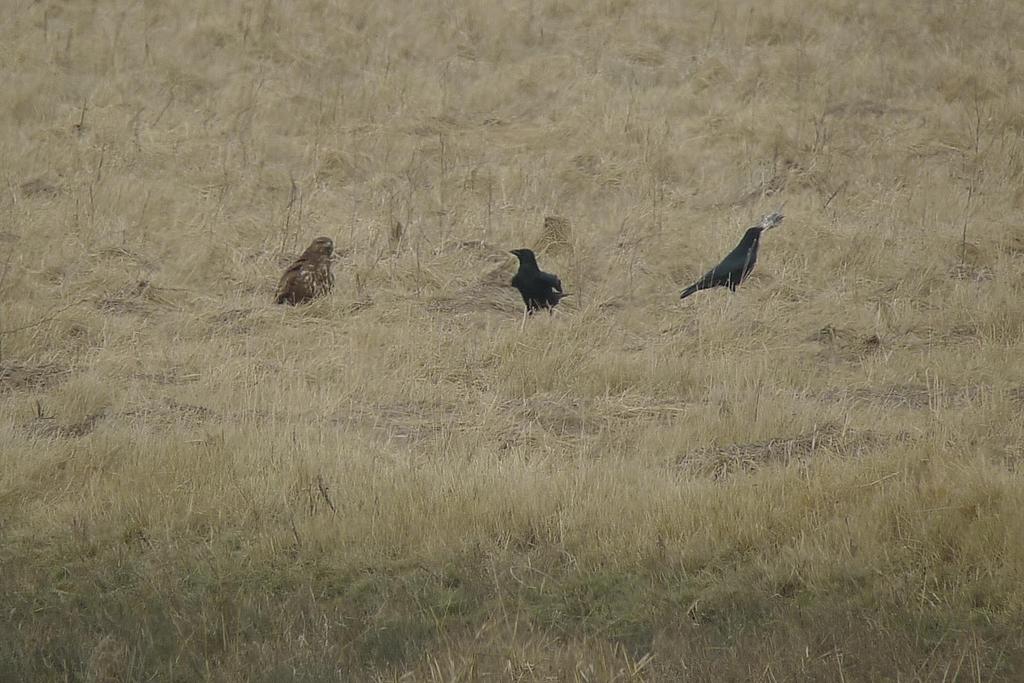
[310, 276]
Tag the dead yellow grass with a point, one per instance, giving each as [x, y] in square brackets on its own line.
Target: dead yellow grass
[815, 478]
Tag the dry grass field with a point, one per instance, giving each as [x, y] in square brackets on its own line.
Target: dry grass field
[815, 478]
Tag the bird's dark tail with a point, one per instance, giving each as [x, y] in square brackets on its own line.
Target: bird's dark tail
[692, 289]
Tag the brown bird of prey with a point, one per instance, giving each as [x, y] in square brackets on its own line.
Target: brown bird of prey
[310, 276]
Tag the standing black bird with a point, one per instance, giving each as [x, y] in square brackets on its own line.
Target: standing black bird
[539, 289]
[735, 267]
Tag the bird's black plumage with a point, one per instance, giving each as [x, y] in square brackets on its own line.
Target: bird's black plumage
[539, 289]
[735, 267]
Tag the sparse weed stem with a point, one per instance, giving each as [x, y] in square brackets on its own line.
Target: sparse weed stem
[3, 299]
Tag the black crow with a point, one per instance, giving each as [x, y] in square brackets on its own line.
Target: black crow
[539, 289]
[735, 267]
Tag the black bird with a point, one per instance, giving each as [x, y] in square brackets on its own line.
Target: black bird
[539, 289]
[735, 267]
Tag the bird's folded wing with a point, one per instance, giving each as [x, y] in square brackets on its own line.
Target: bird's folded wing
[551, 281]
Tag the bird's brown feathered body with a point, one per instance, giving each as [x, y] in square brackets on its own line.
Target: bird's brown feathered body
[310, 276]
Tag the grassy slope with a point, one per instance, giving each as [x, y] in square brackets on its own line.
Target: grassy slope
[815, 478]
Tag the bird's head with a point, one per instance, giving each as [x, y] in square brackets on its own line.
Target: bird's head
[321, 247]
[525, 256]
[752, 235]
[768, 221]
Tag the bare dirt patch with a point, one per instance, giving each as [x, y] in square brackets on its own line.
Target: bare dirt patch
[50, 427]
[169, 411]
[14, 375]
[39, 188]
[830, 439]
[915, 396]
